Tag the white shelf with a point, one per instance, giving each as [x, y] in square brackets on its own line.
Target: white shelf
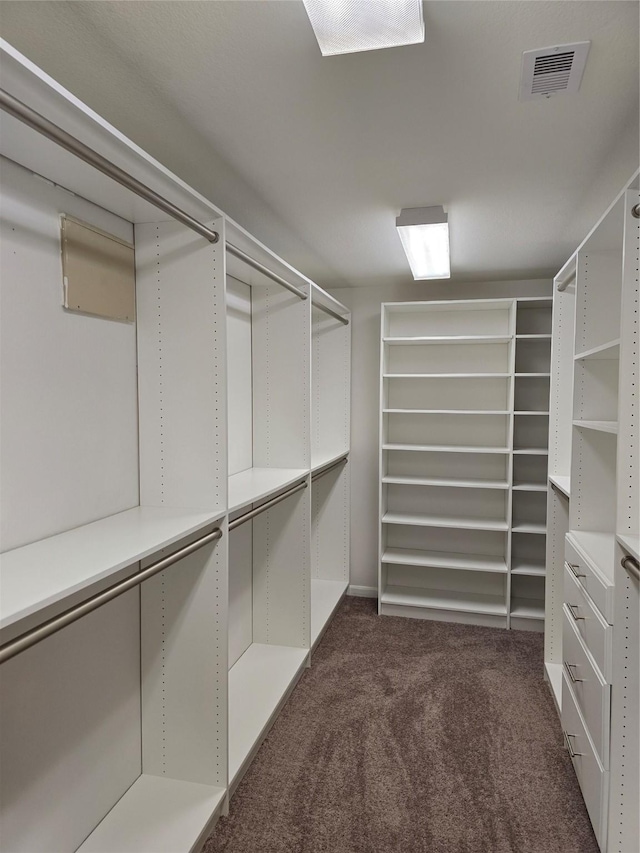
[440, 448]
[528, 527]
[529, 487]
[598, 426]
[461, 522]
[630, 543]
[608, 350]
[532, 375]
[317, 464]
[531, 570]
[325, 598]
[445, 412]
[540, 414]
[554, 677]
[533, 337]
[437, 599]
[527, 608]
[531, 451]
[256, 484]
[44, 578]
[598, 548]
[412, 480]
[444, 560]
[561, 482]
[447, 375]
[259, 682]
[156, 815]
[449, 339]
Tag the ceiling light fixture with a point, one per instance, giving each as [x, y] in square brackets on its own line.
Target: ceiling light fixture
[424, 232]
[349, 26]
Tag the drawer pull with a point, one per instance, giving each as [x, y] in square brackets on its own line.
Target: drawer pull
[630, 565]
[573, 569]
[572, 610]
[570, 667]
[570, 749]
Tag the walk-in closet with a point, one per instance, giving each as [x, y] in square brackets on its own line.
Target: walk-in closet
[319, 472]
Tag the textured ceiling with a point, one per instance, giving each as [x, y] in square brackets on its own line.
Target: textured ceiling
[336, 146]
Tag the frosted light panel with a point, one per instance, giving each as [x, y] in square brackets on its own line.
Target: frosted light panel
[349, 26]
[427, 249]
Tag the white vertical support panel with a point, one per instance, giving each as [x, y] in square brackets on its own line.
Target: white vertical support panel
[239, 379]
[330, 525]
[331, 386]
[557, 528]
[513, 317]
[281, 374]
[184, 668]
[561, 396]
[281, 573]
[181, 365]
[70, 729]
[240, 591]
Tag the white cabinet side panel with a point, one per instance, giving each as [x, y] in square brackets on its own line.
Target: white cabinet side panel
[239, 382]
[181, 358]
[282, 573]
[330, 525]
[184, 669]
[561, 397]
[330, 383]
[240, 591]
[281, 371]
[70, 729]
[557, 527]
[69, 428]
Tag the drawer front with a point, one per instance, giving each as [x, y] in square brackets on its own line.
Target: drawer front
[591, 691]
[600, 592]
[593, 778]
[595, 632]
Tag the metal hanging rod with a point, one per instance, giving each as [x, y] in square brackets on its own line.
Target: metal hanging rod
[56, 134]
[564, 283]
[630, 564]
[52, 626]
[326, 470]
[333, 313]
[256, 265]
[247, 516]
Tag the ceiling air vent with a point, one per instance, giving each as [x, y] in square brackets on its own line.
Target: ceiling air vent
[553, 70]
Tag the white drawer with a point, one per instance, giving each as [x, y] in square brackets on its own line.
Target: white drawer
[593, 778]
[591, 578]
[592, 692]
[595, 632]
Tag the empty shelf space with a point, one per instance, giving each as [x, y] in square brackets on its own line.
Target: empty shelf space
[467, 602]
[444, 448]
[413, 480]
[599, 548]
[529, 487]
[444, 560]
[325, 597]
[598, 426]
[562, 483]
[446, 412]
[608, 350]
[528, 527]
[528, 569]
[527, 608]
[42, 579]
[156, 815]
[449, 339]
[461, 522]
[256, 484]
[321, 462]
[259, 682]
[630, 543]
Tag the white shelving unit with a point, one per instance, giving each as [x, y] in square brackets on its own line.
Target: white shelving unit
[592, 602]
[124, 441]
[460, 468]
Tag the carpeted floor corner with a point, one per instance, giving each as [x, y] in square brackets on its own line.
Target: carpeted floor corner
[410, 736]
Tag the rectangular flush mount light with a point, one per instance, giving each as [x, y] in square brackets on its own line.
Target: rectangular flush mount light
[349, 26]
[424, 232]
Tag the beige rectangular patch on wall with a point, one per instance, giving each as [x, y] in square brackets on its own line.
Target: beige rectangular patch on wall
[98, 271]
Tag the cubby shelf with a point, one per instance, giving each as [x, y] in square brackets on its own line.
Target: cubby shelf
[539, 414]
[529, 487]
[531, 451]
[533, 337]
[157, 814]
[414, 480]
[444, 560]
[561, 482]
[460, 522]
[528, 569]
[467, 602]
[257, 484]
[445, 412]
[43, 578]
[446, 375]
[608, 350]
[532, 375]
[437, 448]
[259, 684]
[528, 527]
[598, 426]
[449, 339]
[527, 608]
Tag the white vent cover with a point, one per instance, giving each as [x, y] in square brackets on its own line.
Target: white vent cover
[553, 70]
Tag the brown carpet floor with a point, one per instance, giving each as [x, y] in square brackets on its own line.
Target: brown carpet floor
[409, 736]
